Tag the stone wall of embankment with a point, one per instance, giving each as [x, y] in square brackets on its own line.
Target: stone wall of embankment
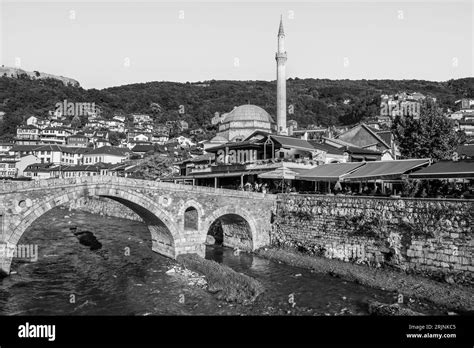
[425, 236]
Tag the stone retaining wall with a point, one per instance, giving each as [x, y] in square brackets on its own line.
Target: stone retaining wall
[430, 237]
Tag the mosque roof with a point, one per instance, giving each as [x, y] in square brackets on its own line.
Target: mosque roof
[248, 112]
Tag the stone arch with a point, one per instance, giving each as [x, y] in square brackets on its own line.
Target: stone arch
[234, 217]
[164, 231]
[182, 214]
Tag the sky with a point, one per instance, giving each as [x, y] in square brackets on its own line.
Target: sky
[112, 43]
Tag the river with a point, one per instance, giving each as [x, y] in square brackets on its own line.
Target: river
[125, 277]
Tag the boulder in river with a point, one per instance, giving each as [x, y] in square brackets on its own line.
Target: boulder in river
[210, 240]
[378, 308]
[87, 238]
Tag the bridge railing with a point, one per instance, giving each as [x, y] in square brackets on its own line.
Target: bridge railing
[15, 186]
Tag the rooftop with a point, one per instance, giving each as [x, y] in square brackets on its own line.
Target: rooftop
[248, 112]
[109, 150]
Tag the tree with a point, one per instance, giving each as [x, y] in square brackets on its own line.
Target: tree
[76, 122]
[115, 138]
[431, 136]
[154, 166]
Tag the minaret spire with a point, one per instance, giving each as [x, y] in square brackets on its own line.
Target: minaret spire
[281, 31]
[281, 81]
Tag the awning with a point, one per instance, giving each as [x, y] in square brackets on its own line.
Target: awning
[223, 174]
[330, 172]
[385, 169]
[281, 173]
[445, 170]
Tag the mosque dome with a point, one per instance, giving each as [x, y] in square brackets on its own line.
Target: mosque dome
[248, 113]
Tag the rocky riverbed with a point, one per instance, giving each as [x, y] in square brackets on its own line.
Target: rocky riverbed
[412, 290]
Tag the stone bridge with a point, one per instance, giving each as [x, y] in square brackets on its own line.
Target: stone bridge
[178, 216]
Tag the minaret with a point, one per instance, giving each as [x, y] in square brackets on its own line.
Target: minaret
[281, 81]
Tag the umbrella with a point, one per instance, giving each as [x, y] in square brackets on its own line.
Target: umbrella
[281, 173]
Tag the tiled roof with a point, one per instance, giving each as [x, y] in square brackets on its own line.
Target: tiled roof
[386, 169]
[446, 169]
[96, 167]
[326, 147]
[292, 142]
[39, 167]
[109, 150]
[143, 148]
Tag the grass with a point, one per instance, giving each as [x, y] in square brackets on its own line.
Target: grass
[226, 283]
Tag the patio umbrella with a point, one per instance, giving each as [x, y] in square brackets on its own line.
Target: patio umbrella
[281, 173]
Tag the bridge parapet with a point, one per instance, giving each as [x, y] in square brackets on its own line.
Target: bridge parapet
[15, 186]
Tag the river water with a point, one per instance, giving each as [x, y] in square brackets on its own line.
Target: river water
[125, 277]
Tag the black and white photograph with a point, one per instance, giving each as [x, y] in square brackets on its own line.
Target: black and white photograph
[201, 172]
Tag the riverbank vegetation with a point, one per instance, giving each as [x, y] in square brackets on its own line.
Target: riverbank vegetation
[226, 283]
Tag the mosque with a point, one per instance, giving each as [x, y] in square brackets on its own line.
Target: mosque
[244, 120]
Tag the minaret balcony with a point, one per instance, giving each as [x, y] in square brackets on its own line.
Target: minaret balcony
[281, 57]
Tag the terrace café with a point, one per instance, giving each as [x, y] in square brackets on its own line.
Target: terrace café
[237, 164]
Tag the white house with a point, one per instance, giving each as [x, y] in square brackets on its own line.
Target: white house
[106, 154]
[24, 162]
[32, 121]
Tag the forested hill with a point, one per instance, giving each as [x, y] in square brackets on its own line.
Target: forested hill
[315, 101]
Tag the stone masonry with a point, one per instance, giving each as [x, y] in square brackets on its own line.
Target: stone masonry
[161, 206]
[426, 236]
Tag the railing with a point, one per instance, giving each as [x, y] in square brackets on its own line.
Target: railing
[16, 186]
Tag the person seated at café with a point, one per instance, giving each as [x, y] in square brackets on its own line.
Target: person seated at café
[365, 190]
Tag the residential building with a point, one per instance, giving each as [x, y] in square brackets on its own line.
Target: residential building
[55, 135]
[79, 170]
[120, 118]
[142, 149]
[24, 161]
[45, 153]
[368, 138]
[27, 135]
[141, 118]
[38, 171]
[32, 121]
[8, 166]
[5, 147]
[106, 154]
[183, 125]
[77, 140]
[72, 155]
[159, 138]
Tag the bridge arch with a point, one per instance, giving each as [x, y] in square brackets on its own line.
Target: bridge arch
[164, 231]
[238, 225]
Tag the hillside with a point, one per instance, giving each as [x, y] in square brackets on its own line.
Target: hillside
[16, 73]
[315, 101]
